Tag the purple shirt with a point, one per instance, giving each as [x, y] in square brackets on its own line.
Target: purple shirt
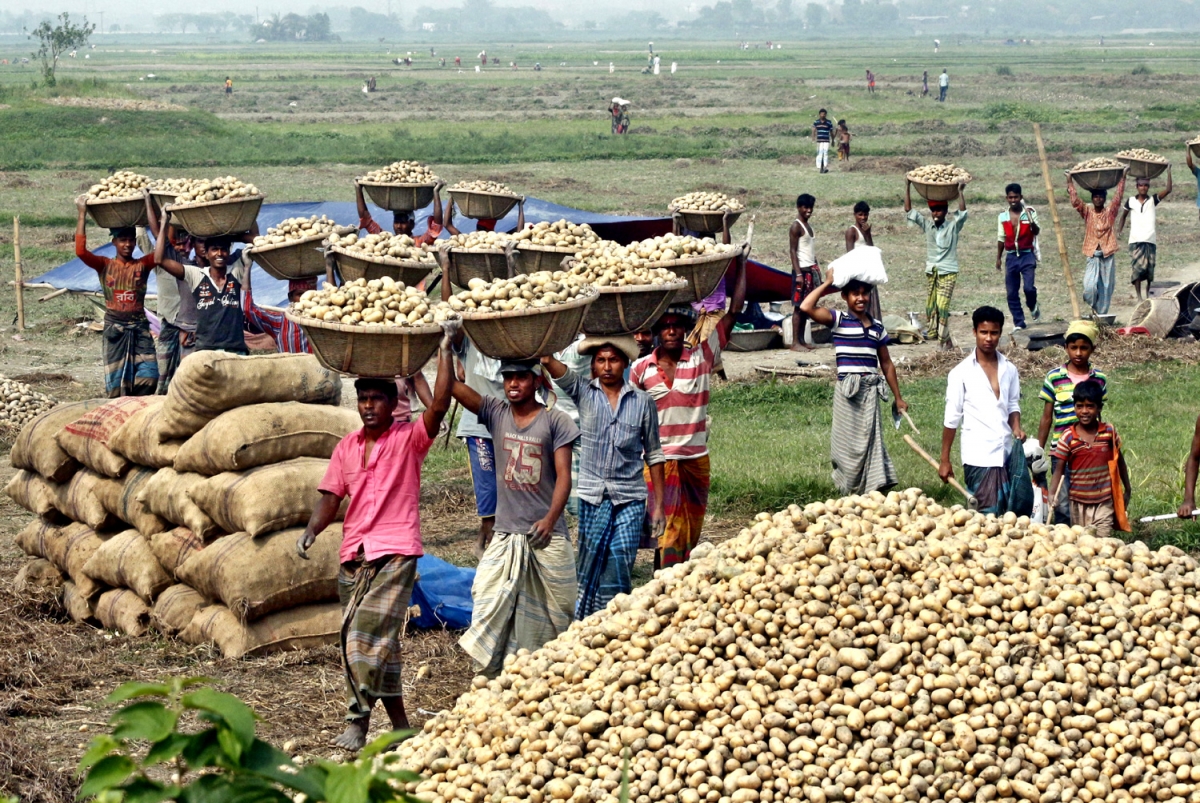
[715, 302]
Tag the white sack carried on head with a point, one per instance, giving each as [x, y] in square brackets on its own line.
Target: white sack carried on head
[864, 263]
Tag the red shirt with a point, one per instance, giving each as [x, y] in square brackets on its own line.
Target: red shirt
[383, 517]
[431, 233]
[683, 404]
[124, 283]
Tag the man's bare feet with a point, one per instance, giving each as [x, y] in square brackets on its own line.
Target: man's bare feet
[355, 735]
[801, 347]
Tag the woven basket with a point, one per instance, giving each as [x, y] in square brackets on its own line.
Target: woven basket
[354, 266]
[462, 265]
[161, 200]
[703, 274]
[534, 258]
[297, 259]
[1194, 147]
[1102, 179]
[528, 333]
[218, 218]
[625, 310]
[752, 340]
[373, 351]
[1142, 169]
[935, 192]
[483, 205]
[118, 213]
[400, 197]
[706, 221]
[1158, 315]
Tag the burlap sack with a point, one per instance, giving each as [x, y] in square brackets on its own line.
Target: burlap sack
[166, 495]
[175, 608]
[71, 553]
[125, 561]
[121, 499]
[36, 447]
[77, 606]
[34, 493]
[173, 547]
[121, 609]
[295, 629]
[258, 576]
[32, 540]
[140, 440]
[261, 434]
[87, 437]
[37, 575]
[210, 382]
[264, 499]
[79, 501]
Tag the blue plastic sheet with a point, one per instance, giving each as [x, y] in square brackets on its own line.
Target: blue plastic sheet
[443, 592]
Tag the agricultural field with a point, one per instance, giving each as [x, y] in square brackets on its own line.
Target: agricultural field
[736, 121]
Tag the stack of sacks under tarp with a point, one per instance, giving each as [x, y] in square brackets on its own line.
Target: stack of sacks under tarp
[182, 512]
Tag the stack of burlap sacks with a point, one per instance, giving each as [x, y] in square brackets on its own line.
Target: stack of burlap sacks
[182, 512]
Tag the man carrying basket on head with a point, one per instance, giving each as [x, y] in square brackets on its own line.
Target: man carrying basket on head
[403, 222]
[941, 257]
[1099, 244]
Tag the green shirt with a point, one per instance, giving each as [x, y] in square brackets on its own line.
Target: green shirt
[941, 242]
[1059, 390]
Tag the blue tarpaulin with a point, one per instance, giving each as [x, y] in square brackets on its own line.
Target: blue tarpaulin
[269, 291]
[443, 593]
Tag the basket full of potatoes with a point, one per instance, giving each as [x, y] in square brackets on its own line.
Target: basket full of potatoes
[484, 200]
[633, 293]
[294, 248]
[699, 261]
[117, 201]
[938, 183]
[526, 316]
[705, 212]
[483, 255]
[1101, 173]
[217, 207]
[383, 254]
[544, 246]
[1143, 163]
[401, 186]
[376, 328]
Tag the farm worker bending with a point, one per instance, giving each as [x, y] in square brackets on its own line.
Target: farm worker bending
[822, 134]
[130, 368]
[677, 378]
[864, 373]
[524, 589]
[403, 222]
[379, 468]
[620, 437]
[1099, 244]
[802, 249]
[941, 257]
[1141, 212]
[1016, 233]
[217, 290]
[858, 235]
[983, 398]
[176, 307]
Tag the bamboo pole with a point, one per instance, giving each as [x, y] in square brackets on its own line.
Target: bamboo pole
[20, 283]
[1058, 230]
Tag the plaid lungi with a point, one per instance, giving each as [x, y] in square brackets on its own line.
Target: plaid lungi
[1142, 258]
[608, 543]
[937, 305]
[375, 596]
[523, 597]
[129, 363]
[860, 460]
[173, 345]
[685, 501]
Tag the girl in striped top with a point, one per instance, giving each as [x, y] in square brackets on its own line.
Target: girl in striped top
[865, 374]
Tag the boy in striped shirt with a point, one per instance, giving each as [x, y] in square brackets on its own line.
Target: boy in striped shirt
[1091, 450]
[865, 374]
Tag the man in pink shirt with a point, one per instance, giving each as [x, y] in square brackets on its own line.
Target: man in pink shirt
[379, 468]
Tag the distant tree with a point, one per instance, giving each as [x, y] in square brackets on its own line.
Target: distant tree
[783, 12]
[815, 15]
[638, 21]
[319, 28]
[58, 39]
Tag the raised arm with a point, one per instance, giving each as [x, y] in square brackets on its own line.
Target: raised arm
[962, 196]
[521, 215]
[151, 214]
[467, 396]
[449, 218]
[436, 408]
[1162, 196]
[87, 257]
[437, 202]
[160, 249]
[809, 305]
[564, 377]
[1074, 196]
[361, 203]
[737, 299]
[907, 196]
[1116, 202]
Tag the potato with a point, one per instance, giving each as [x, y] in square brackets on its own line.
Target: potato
[707, 202]
[1142, 155]
[402, 172]
[939, 174]
[296, 228]
[483, 186]
[373, 303]
[121, 184]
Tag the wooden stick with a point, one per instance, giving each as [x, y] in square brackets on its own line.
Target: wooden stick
[55, 294]
[1058, 229]
[910, 421]
[1054, 500]
[20, 282]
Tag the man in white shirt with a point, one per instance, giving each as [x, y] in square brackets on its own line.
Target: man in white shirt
[943, 86]
[983, 398]
[1141, 213]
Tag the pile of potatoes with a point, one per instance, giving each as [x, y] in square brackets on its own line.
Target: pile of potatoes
[403, 172]
[605, 266]
[1099, 163]
[19, 403]
[483, 186]
[226, 188]
[379, 301]
[669, 247]
[1142, 155]
[559, 234]
[297, 228]
[541, 289]
[871, 648]
[123, 184]
[707, 202]
[939, 174]
[176, 186]
[385, 244]
[480, 240]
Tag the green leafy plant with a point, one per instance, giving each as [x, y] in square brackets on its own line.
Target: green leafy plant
[1141, 69]
[58, 39]
[1004, 69]
[221, 762]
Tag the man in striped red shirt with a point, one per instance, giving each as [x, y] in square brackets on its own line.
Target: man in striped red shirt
[677, 378]
[288, 337]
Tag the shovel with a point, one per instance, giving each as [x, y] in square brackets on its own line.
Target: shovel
[1164, 517]
[972, 502]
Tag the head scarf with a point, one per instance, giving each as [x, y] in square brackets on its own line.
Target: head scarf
[624, 344]
[1086, 328]
[939, 205]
